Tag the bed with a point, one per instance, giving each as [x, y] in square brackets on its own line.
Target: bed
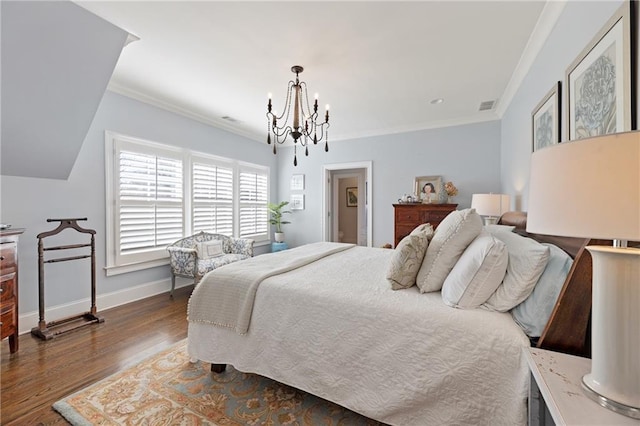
[335, 328]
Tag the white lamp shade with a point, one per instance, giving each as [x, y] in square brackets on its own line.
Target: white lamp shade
[490, 204]
[588, 188]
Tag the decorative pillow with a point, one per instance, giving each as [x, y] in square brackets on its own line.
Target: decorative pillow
[209, 249]
[533, 314]
[408, 256]
[527, 260]
[499, 228]
[477, 274]
[454, 234]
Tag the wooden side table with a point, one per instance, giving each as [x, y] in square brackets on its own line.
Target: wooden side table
[556, 395]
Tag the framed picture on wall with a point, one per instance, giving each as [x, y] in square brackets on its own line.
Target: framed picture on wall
[545, 119]
[297, 182]
[352, 196]
[297, 202]
[428, 188]
[599, 99]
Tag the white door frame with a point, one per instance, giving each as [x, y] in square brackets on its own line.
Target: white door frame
[326, 196]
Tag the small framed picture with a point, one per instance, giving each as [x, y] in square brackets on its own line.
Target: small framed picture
[545, 119]
[297, 202]
[297, 182]
[428, 188]
[599, 94]
[352, 196]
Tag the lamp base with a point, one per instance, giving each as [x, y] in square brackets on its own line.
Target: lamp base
[490, 220]
[614, 380]
[612, 405]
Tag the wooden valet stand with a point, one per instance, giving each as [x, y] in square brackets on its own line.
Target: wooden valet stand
[53, 329]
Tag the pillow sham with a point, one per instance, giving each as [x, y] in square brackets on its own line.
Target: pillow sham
[527, 260]
[450, 239]
[209, 249]
[408, 256]
[533, 314]
[499, 228]
[477, 274]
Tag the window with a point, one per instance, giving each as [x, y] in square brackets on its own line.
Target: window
[212, 198]
[156, 194]
[253, 204]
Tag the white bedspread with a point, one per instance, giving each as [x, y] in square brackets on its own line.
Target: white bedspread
[335, 329]
[225, 295]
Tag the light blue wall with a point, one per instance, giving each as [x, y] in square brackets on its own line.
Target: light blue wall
[468, 155]
[577, 25]
[28, 202]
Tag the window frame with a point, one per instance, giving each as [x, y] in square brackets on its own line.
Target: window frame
[118, 264]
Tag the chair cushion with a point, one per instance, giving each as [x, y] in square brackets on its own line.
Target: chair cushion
[206, 265]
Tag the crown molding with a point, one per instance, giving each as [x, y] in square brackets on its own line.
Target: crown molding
[546, 22]
[167, 106]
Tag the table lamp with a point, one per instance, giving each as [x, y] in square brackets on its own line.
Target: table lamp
[491, 206]
[590, 188]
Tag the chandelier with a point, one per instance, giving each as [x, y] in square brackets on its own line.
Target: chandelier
[304, 127]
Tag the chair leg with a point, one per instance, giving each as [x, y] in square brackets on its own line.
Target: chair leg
[173, 284]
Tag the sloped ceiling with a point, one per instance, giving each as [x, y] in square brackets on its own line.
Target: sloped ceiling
[57, 59]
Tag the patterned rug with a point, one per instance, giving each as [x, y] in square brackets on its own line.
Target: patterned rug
[166, 389]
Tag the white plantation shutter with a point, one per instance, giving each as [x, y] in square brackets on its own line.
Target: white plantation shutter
[253, 196]
[212, 191]
[149, 204]
[150, 186]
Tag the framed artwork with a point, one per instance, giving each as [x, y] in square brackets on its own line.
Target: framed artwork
[599, 99]
[428, 188]
[352, 196]
[545, 119]
[297, 202]
[297, 182]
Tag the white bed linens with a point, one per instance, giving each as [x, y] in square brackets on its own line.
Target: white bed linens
[335, 328]
[225, 296]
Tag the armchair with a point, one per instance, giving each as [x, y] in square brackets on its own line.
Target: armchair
[186, 261]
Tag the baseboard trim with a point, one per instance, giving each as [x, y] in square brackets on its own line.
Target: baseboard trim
[104, 301]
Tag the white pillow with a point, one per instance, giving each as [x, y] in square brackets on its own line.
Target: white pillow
[408, 256]
[498, 228]
[477, 274]
[533, 314]
[209, 249]
[450, 239]
[527, 260]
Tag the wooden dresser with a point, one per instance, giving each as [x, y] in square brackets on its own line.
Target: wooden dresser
[9, 286]
[408, 216]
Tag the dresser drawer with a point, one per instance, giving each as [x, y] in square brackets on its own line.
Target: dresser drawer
[7, 258]
[434, 216]
[407, 216]
[8, 317]
[8, 287]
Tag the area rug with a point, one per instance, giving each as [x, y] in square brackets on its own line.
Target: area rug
[167, 389]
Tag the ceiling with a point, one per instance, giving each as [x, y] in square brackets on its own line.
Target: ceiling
[378, 64]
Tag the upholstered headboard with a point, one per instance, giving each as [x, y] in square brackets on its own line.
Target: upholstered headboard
[568, 329]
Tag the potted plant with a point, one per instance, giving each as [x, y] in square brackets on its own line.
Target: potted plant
[276, 212]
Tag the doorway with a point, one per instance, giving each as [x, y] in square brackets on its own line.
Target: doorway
[347, 215]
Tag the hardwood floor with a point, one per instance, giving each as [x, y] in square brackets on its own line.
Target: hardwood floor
[41, 373]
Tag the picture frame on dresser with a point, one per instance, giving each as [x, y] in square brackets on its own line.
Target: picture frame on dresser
[545, 119]
[428, 188]
[599, 81]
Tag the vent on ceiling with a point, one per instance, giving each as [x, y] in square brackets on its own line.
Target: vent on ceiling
[487, 105]
[229, 119]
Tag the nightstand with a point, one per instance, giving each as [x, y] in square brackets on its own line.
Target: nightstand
[278, 247]
[556, 395]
